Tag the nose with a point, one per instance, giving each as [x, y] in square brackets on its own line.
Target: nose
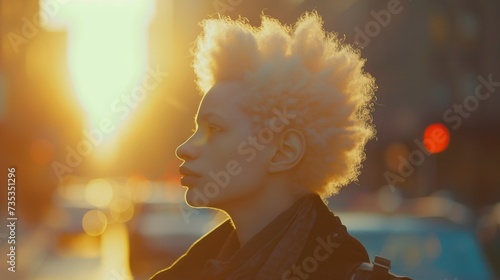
[187, 151]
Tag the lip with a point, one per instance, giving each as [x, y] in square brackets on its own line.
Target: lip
[189, 181]
[189, 177]
[188, 172]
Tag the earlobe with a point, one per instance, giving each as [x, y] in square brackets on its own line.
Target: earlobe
[290, 149]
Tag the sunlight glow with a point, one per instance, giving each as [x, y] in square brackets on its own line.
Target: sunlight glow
[107, 54]
[115, 252]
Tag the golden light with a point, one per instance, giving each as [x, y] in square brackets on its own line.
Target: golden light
[42, 151]
[94, 222]
[115, 252]
[80, 245]
[99, 193]
[140, 188]
[121, 210]
[107, 52]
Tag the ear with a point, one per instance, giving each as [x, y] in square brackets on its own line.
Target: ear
[290, 149]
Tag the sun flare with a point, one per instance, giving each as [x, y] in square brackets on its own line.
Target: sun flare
[107, 51]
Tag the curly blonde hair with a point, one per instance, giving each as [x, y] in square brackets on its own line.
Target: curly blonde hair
[307, 70]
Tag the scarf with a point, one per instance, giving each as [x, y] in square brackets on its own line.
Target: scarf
[271, 252]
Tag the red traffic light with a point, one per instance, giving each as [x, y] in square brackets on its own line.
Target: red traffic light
[436, 138]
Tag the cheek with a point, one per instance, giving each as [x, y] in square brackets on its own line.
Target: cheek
[228, 150]
[252, 173]
[237, 158]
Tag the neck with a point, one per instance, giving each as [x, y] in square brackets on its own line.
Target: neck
[251, 214]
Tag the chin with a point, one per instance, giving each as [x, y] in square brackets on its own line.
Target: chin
[197, 198]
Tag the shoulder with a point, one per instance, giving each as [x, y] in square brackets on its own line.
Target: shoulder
[343, 258]
[330, 252]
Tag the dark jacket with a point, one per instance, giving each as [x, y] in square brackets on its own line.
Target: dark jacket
[329, 253]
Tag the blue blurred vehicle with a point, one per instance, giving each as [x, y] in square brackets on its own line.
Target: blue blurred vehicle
[421, 247]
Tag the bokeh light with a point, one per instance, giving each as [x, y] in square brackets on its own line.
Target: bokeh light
[94, 222]
[436, 138]
[121, 210]
[99, 192]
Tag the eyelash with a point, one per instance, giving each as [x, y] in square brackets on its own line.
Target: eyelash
[211, 128]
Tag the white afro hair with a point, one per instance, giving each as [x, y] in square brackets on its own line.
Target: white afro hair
[308, 71]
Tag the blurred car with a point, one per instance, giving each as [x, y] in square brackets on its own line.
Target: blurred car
[421, 247]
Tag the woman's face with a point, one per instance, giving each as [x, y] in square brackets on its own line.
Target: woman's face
[224, 161]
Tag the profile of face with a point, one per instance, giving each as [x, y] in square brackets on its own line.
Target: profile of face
[224, 161]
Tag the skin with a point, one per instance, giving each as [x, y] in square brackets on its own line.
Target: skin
[264, 186]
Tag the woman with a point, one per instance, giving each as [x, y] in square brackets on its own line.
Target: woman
[281, 127]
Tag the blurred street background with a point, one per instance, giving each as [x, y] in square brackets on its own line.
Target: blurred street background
[95, 95]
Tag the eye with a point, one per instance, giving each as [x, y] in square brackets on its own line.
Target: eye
[213, 128]
[210, 128]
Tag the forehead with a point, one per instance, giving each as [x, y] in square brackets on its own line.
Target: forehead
[224, 99]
